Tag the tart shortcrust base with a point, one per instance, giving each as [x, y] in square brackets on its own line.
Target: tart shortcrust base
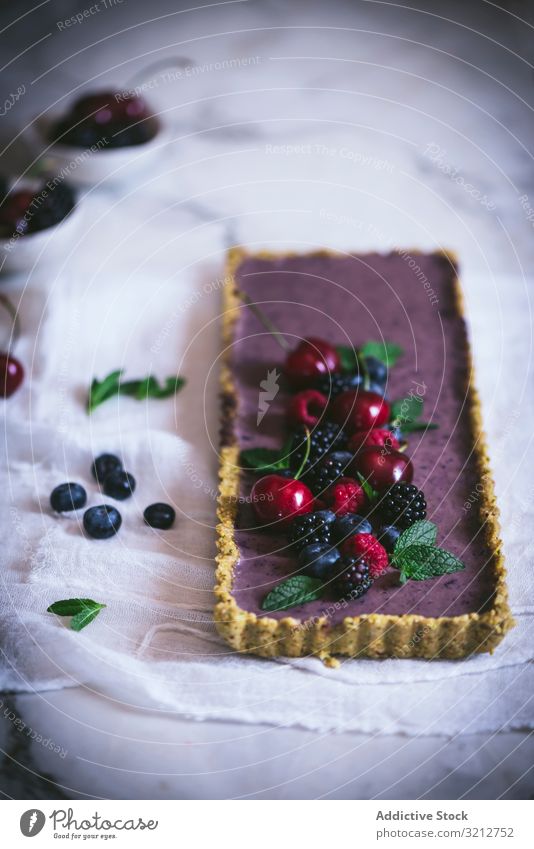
[369, 635]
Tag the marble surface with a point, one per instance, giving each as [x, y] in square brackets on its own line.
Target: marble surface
[353, 124]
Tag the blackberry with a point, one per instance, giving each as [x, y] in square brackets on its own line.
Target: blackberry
[54, 204]
[311, 529]
[324, 438]
[334, 384]
[328, 471]
[354, 580]
[403, 505]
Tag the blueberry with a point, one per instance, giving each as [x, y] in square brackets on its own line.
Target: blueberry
[377, 370]
[350, 524]
[379, 388]
[397, 433]
[119, 485]
[159, 516]
[102, 522]
[68, 496]
[104, 465]
[388, 536]
[318, 560]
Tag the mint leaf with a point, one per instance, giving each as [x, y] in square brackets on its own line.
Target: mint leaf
[70, 606]
[370, 493]
[420, 532]
[80, 620]
[387, 352]
[298, 589]
[265, 459]
[420, 562]
[406, 410]
[411, 427]
[349, 358]
[171, 386]
[138, 388]
[101, 390]
[147, 387]
[406, 414]
[82, 610]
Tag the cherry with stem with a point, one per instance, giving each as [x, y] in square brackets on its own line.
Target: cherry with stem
[311, 359]
[11, 369]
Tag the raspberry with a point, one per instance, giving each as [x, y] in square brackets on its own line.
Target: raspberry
[376, 436]
[345, 496]
[311, 529]
[327, 471]
[367, 547]
[306, 408]
[355, 579]
[324, 438]
[403, 505]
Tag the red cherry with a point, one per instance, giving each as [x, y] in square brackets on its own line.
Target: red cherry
[98, 106]
[13, 211]
[313, 358]
[382, 467]
[11, 375]
[345, 496]
[135, 107]
[381, 437]
[279, 500]
[306, 407]
[106, 106]
[359, 409]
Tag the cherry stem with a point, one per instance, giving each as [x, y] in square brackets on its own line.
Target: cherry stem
[15, 321]
[266, 321]
[306, 455]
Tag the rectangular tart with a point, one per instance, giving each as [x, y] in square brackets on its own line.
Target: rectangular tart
[411, 299]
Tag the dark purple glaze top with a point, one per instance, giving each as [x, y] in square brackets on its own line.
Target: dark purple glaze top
[404, 299]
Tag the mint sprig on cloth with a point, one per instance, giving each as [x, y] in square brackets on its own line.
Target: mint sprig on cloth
[82, 610]
[146, 387]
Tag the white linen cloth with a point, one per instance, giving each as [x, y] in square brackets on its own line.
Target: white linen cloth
[155, 645]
